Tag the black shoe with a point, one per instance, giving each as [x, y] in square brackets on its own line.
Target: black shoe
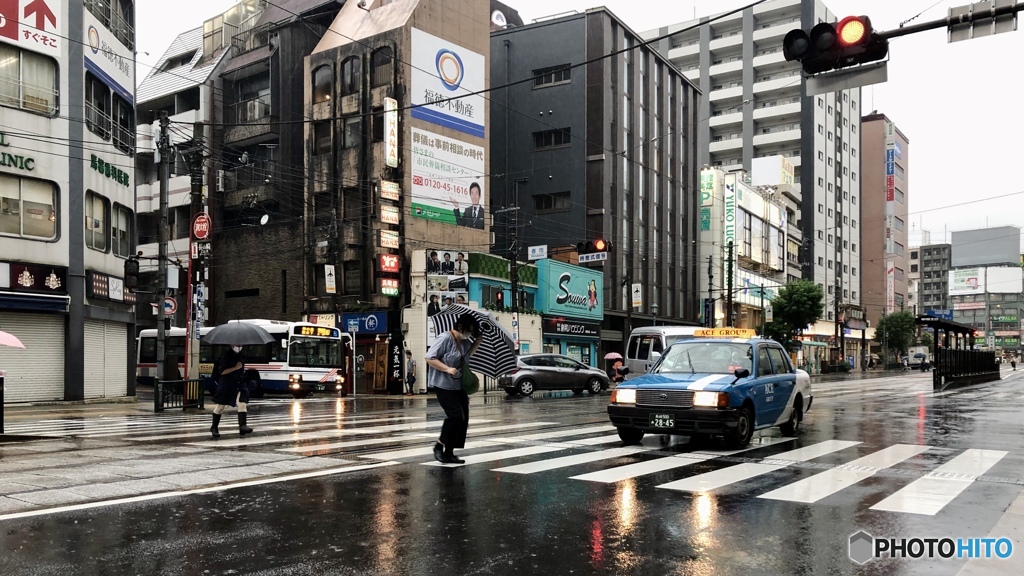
[243, 429]
[214, 431]
[451, 458]
[439, 454]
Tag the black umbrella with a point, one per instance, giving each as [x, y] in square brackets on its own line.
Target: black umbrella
[496, 353]
[238, 334]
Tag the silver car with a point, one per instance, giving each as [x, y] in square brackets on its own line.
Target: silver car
[552, 372]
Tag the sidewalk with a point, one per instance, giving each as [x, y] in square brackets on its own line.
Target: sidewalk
[859, 375]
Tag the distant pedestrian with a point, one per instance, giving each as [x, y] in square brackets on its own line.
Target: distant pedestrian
[616, 375]
[231, 390]
[444, 376]
[1013, 362]
[410, 373]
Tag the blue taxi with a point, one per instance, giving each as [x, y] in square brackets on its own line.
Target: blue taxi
[714, 386]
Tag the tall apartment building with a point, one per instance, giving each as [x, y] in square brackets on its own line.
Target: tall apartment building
[885, 186]
[914, 273]
[608, 153]
[67, 199]
[936, 260]
[755, 108]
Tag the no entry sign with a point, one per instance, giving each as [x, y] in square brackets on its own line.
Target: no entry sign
[202, 226]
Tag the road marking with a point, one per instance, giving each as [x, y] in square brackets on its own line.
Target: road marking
[318, 449]
[931, 493]
[175, 494]
[596, 440]
[573, 460]
[502, 454]
[747, 470]
[422, 451]
[814, 488]
[627, 471]
[1010, 525]
[298, 436]
[547, 435]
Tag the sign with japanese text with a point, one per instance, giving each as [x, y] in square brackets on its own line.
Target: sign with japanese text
[106, 57]
[390, 190]
[707, 187]
[559, 326]
[109, 170]
[37, 25]
[443, 73]
[448, 183]
[391, 132]
[389, 239]
[389, 263]
[890, 287]
[390, 214]
[389, 287]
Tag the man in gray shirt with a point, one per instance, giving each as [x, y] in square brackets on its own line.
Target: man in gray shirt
[410, 373]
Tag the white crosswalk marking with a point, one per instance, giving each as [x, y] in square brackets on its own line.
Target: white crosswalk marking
[930, 494]
[627, 471]
[331, 433]
[566, 461]
[503, 454]
[747, 470]
[810, 490]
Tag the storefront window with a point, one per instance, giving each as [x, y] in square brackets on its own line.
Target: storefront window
[579, 353]
[27, 208]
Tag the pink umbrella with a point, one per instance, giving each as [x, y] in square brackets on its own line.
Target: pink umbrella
[10, 340]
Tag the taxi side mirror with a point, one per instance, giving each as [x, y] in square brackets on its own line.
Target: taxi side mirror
[741, 373]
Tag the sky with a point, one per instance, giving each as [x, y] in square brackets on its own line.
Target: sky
[957, 103]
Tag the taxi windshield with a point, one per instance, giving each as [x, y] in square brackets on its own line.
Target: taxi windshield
[695, 357]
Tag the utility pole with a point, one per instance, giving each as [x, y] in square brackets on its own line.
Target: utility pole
[762, 310]
[196, 265]
[165, 177]
[728, 286]
[627, 283]
[513, 255]
[709, 308]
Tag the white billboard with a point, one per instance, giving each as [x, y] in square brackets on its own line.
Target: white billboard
[1004, 280]
[37, 25]
[447, 180]
[440, 70]
[108, 59]
[966, 281]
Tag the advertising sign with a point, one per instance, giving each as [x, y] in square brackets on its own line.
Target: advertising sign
[389, 239]
[389, 287]
[389, 263]
[390, 214]
[730, 214]
[966, 281]
[441, 70]
[1003, 280]
[448, 183]
[37, 25]
[707, 187]
[569, 290]
[391, 132]
[558, 326]
[537, 252]
[106, 58]
[330, 280]
[890, 286]
[390, 190]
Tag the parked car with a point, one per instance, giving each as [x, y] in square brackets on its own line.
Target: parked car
[552, 372]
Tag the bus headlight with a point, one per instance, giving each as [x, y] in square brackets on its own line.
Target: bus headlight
[294, 381]
[624, 396]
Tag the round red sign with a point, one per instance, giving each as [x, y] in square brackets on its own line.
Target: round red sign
[202, 226]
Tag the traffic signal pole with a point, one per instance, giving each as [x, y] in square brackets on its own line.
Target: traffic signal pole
[166, 152]
[955, 20]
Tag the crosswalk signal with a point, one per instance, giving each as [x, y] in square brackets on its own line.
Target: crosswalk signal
[829, 46]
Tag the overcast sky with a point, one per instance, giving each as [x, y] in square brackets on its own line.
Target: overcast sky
[959, 104]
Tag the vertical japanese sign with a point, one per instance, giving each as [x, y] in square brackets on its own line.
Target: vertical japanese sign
[391, 132]
[330, 280]
[890, 186]
[890, 286]
[707, 187]
[442, 70]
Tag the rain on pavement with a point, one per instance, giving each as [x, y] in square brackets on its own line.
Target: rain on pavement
[349, 486]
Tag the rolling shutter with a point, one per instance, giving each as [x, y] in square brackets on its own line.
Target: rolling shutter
[35, 374]
[106, 359]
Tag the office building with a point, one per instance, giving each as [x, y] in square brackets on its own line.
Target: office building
[986, 286]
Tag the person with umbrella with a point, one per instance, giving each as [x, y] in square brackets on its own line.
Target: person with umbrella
[230, 368]
[445, 361]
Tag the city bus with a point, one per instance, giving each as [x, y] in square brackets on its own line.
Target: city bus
[303, 358]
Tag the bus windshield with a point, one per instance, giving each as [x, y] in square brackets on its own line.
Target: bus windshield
[315, 352]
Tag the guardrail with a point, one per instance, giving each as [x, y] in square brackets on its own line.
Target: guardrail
[182, 394]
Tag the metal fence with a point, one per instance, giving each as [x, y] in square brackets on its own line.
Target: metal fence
[963, 366]
[182, 394]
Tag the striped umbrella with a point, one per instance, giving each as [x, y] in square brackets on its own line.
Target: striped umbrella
[496, 353]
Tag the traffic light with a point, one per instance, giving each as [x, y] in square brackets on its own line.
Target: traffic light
[829, 46]
[131, 273]
[593, 246]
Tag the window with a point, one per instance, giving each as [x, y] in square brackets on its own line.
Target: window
[96, 209]
[117, 15]
[821, 103]
[321, 138]
[853, 247]
[121, 231]
[829, 238]
[821, 208]
[854, 224]
[900, 274]
[124, 125]
[830, 136]
[821, 155]
[97, 106]
[551, 76]
[557, 202]
[764, 364]
[28, 81]
[27, 208]
[821, 261]
[821, 181]
[830, 267]
[551, 138]
[382, 64]
[350, 74]
[854, 273]
[821, 235]
[178, 61]
[900, 226]
[378, 125]
[914, 255]
[353, 132]
[821, 129]
[854, 176]
[900, 197]
[900, 173]
[323, 77]
[853, 153]
[898, 248]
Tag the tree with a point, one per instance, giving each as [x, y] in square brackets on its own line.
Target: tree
[797, 305]
[927, 339]
[896, 331]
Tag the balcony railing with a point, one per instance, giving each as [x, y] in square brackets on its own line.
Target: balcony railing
[248, 176]
[97, 120]
[248, 37]
[26, 96]
[111, 16]
[253, 110]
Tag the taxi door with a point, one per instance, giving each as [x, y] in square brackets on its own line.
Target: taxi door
[767, 389]
[785, 380]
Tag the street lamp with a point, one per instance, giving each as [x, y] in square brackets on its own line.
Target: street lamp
[654, 312]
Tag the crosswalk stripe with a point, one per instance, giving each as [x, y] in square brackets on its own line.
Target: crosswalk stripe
[814, 488]
[317, 449]
[335, 433]
[636, 469]
[502, 454]
[422, 451]
[747, 470]
[261, 423]
[930, 494]
[573, 460]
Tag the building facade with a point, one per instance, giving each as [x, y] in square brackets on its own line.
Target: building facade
[934, 286]
[755, 108]
[986, 286]
[604, 151]
[885, 186]
[67, 212]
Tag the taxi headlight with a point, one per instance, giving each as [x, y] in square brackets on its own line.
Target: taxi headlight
[710, 399]
[624, 396]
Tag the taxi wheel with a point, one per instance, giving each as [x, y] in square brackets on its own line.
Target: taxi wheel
[595, 386]
[792, 428]
[630, 435]
[744, 429]
[526, 387]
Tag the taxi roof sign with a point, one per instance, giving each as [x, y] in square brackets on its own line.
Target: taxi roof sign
[725, 333]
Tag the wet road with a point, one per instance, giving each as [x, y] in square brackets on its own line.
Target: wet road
[546, 489]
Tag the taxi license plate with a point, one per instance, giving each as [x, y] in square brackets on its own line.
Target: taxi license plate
[663, 421]
[320, 387]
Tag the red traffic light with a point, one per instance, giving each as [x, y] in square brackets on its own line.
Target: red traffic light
[600, 245]
[853, 30]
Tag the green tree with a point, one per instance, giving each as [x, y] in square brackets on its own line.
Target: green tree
[896, 332]
[797, 305]
[927, 339]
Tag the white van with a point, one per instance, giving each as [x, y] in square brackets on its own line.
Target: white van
[646, 344]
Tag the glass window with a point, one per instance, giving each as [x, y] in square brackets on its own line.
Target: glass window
[705, 358]
[323, 77]
[552, 138]
[28, 81]
[550, 76]
[350, 73]
[556, 202]
[780, 361]
[124, 125]
[121, 231]
[97, 106]
[382, 66]
[353, 132]
[27, 208]
[96, 210]
[321, 138]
